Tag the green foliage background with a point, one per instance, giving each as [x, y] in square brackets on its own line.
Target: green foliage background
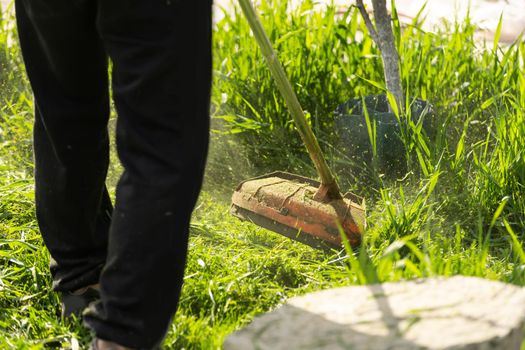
[459, 210]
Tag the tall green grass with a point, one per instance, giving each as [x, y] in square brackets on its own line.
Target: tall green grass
[458, 210]
[323, 61]
[476, 91]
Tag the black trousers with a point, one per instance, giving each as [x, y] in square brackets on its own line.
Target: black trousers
[161, 74]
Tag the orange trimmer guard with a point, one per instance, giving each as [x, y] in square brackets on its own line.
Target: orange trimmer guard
[284, 203]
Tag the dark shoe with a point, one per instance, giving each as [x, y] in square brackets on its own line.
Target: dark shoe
[73, 303]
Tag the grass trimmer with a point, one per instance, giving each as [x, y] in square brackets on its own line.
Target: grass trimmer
[312, 212]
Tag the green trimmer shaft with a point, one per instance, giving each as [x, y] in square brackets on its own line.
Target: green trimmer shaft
[300, 208]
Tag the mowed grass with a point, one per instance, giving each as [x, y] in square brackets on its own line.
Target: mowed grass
[459, 210]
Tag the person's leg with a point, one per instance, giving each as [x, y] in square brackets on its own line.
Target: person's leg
[67, 68]
[161, 53]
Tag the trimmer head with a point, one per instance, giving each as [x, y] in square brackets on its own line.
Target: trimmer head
[284, 203]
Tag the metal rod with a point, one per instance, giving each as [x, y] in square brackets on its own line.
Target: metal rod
[329, 187]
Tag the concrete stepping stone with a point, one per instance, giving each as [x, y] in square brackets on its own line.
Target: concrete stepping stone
[436, 313]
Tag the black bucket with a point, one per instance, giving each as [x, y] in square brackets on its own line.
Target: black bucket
[354, 138]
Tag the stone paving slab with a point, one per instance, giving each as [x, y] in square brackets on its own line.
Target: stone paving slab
[438, 313]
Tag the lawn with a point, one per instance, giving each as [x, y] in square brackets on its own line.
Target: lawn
[458, 209]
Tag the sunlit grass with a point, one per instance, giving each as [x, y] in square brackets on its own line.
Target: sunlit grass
[459, 210]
